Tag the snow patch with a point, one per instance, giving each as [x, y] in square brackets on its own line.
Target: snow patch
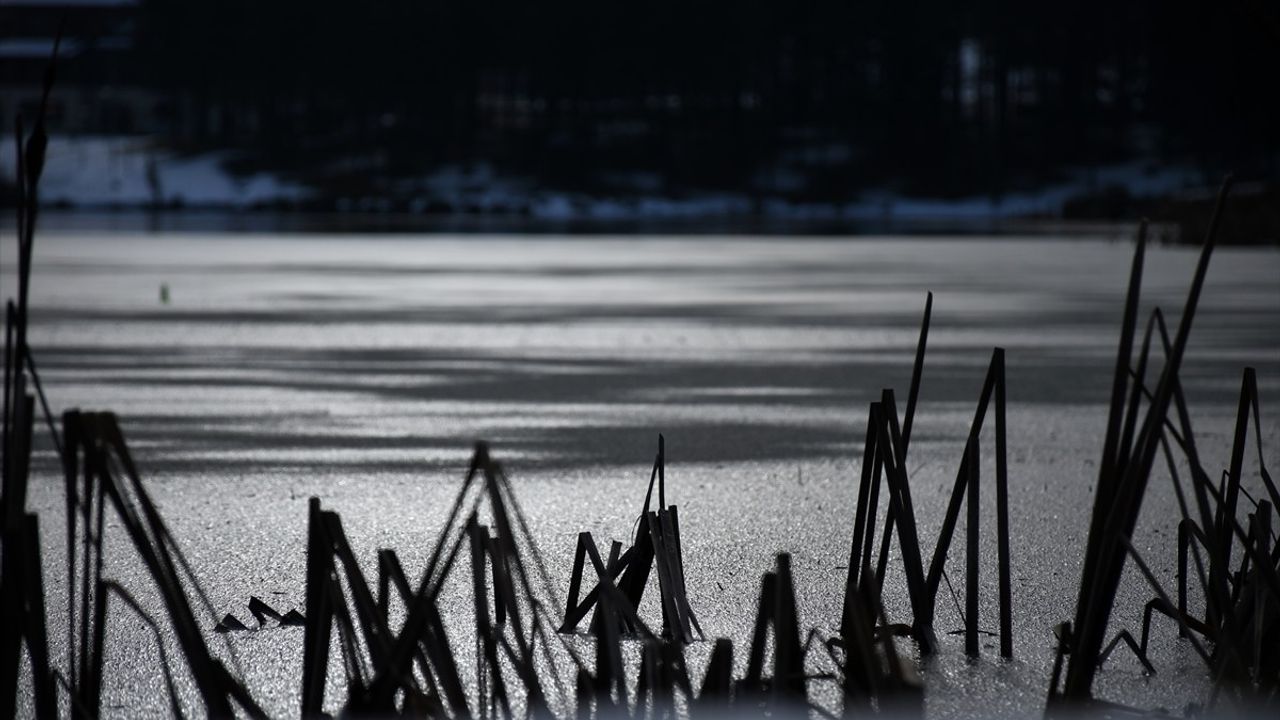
[109, 171]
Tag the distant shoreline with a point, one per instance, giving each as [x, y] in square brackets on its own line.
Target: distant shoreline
[134, 184]
[293, 222]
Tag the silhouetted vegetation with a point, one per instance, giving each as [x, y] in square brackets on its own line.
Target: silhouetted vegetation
[1238, 631]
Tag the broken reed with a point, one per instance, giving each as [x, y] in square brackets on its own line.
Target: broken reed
[884, 460]
[1238, 635]
[656, 545]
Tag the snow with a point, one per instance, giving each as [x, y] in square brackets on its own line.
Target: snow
[112, 171]
[41, 48]
[1137, 179]
[72, 3]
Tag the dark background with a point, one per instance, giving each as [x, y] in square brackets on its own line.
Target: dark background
[803, 101]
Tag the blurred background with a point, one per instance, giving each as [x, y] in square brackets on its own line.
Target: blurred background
[822, 116]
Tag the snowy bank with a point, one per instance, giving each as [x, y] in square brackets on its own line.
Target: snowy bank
[134, 172]
[115, 171]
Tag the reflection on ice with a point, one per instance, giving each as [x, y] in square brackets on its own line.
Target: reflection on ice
[512, 338]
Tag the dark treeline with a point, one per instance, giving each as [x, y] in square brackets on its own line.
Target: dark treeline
[817, 98]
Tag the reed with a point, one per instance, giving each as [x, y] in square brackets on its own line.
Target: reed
[885, 456]
[1238, 633]
[657, 546]
[21, 583]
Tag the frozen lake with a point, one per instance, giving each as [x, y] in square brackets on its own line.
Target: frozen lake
[361, 368]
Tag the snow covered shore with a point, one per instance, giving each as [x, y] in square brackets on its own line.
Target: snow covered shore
[119, 172]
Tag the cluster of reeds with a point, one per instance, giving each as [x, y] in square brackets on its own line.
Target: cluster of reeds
[1237, 631]
[873, 674]
[417, 663]
[100, 473]
[519, 663]
[657, 543]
